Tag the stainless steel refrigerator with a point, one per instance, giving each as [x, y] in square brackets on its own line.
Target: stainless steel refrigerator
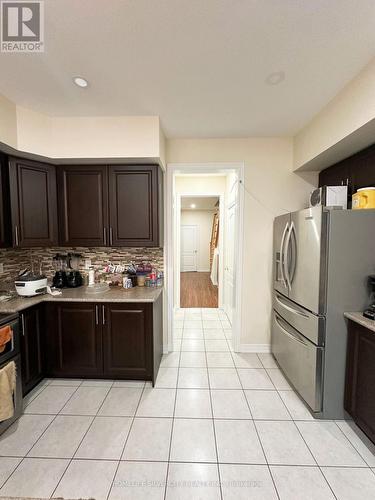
[322, 259]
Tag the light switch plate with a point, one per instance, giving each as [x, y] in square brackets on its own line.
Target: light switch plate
[87, 263]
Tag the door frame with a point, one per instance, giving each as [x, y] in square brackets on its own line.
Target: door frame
[177, 244]
[196, 242]
[172, 206]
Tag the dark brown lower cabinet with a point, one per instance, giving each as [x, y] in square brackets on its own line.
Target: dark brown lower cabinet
[31, 348]
[360, 378]
[97, 340]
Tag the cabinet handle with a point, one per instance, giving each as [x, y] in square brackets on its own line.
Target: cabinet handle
[105, 235]
[103, 315]
[96, 315]
[23, 324]
[110, 236]
[16, 235]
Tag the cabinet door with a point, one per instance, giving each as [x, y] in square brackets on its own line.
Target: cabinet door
[33, 201]
[127, 341]
[31, 349]
[74, 340]
[360, 378]
[5, 216]
[134, 205]
[83, 211]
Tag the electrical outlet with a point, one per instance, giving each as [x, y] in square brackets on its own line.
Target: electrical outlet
[1, 268]
[87, 263]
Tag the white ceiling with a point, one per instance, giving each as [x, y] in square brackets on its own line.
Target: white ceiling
[200, 65]
[200, 202]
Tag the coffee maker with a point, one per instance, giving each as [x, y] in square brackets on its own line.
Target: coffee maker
[60, 265]
[74, 277]
[370, 311]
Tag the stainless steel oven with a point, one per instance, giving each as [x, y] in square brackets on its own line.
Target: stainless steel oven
[12, 353]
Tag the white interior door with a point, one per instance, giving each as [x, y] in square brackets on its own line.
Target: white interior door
[229, 249]
[189, 248]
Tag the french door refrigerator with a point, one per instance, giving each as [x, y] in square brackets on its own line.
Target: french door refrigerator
[322, 258]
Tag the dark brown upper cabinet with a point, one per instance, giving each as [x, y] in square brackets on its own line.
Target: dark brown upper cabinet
[33, 203]
[5, 216]
[110, 206]
[134, 206]
[83, 205]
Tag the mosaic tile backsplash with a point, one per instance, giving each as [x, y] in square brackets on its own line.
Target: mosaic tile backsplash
[16, 259]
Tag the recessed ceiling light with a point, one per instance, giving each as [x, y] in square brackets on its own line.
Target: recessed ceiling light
[193, 205]
[275, 78]
[81, 82]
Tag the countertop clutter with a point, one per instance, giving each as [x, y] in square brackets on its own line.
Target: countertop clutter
[115, 294]
[358, 317]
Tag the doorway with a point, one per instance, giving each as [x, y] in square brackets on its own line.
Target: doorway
[221, 320]
[199, 245]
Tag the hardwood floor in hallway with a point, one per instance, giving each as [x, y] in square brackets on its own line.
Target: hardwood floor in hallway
[197, 290]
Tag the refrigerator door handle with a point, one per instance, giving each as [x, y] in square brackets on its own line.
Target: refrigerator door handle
[287, 248]
[291, 309]
[289, 334]
[282, 254]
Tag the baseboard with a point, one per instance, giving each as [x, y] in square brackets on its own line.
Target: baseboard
[203, 271]
[254, 348]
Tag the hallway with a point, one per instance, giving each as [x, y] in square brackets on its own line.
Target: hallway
[198, 291]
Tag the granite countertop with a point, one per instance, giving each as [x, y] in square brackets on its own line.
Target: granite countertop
[358, 317]
[136, 294]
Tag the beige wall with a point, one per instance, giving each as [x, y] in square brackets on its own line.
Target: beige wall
[351, 109]
[203, 220]
[271, 188]
[8, 122]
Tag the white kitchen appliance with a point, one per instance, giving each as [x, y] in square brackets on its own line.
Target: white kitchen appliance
[28, 284]
[329, 196]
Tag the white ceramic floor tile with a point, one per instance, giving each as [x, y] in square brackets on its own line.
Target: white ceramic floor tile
[122, 401]
[193, 323]
[62, 437]
[224, 378]
[177, 333]
[219, 360]
[78, 482]
[139, 481]
[283, 444]
[167, 378]
[295, 406]
[129, 383]
[193, 403]
[209, 324]
[157, 403]
[51, 400]
[18, 439]
[105, 439]
[170, 360]
[33, 394]
[177, 343]
[192, 345]
[359, 440]
[70, 382]
[295, 483]
[193, 482]
[193, 360]
[238, 442]
[229, 404]
[267, 359]
[7, 466]
[246, 360]
[211, 316]
[34, 478]
[85, 401]
[351, 484]
[192, 378]
[149, 439]
[214, 334]
[329, 445]
[267, 405]
[193, 441]
[255, 378]
[278, 379]
[178, 323]
[193, 334]
[97, 383]
[226, 325]
[247, 482]
[217, 345]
